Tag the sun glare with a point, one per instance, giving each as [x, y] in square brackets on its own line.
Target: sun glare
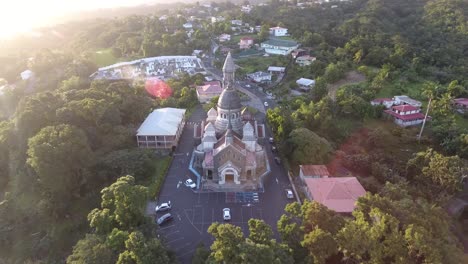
[19, 16]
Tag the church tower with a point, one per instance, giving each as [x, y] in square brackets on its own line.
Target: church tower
[229, 105]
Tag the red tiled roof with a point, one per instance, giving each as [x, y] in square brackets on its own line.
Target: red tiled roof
[461, 101]
[209, 89]
[338, 194]
[405, 108]
[405, 117]
[314, 170]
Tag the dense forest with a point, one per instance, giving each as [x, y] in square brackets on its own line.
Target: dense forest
[74, 186]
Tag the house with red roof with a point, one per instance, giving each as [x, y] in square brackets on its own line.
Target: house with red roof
[336, 193]
[313, 171]
[246, 43]
[405, 115]
[209, 90]
[461, 105]
[387, 102]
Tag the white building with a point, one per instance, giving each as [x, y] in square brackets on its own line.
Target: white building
[246, 8]
[279, 46]
[236, 22]
[387, 102]
[403, 99]
[406, 115]
[305, 60]
[161, 129]
[224, 37]
[260, 77]
[187, 25]
[275, 69]
[305, 84]
[278, 31]
[27, 74]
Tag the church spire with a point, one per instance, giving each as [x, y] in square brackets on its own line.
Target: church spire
[228, 72]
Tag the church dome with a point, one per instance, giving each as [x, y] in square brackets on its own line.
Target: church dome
[229, 99]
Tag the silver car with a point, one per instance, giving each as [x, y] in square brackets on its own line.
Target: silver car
[163, 207]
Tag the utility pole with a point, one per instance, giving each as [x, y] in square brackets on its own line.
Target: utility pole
[424, 122]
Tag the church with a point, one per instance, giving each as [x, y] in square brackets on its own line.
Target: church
[229, 158]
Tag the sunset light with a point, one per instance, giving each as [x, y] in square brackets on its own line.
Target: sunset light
[22, 16]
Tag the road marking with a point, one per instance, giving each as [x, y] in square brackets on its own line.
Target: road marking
[164, 228]
[178, 216]
[191, 222]
[172, 241]
[168, 234]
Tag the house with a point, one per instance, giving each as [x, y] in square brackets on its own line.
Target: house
[278, 31]
[336, 193]
[197, 52]
[305, 60]
[313, 171]
[298, 52]
[224, 37]
[27, 74]
[161, 129]
[217, 19]
[279, 46]
[461, 104]
[387, 102]
[305, 84]
[187, 25]
[403, 99]
[208, 90]
[236, 22]
[406, 115]
[260, 77]
[275, 69]
[246, 8]
[246, 42]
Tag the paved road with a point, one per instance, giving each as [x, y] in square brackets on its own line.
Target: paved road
[194, 212]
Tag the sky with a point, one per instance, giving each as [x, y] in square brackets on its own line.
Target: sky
[18, 16]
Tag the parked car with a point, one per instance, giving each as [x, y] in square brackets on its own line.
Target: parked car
[289, 194]
[265, 103]
[277, 160]
[163, 207]
[271, 140]
[164, 219]
[273, 148]
[190, 183]
[226, 214]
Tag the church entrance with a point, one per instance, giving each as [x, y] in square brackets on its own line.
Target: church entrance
[229, 178]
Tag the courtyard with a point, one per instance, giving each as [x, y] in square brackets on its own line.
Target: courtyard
[194, 212]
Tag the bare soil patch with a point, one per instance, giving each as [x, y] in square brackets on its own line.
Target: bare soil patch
[350, 78]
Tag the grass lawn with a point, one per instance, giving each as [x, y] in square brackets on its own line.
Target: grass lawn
[161, 166]
[104, 58]
[254, 64]
[413, 90]
[461, 121]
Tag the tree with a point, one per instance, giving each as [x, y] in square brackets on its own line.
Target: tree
[60, 156]
[264, 32]
[260, 232]
[431, 167]
[320, 244]
[122, 206]
[227, 244]
[140, 250]
[91, 249]
[306, 147]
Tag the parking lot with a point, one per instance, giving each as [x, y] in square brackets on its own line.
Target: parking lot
[194, 212]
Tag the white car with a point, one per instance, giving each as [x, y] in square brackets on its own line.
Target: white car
[265, 103]
[226, 214]
[190, 183]
[163, 207]
[289, 194]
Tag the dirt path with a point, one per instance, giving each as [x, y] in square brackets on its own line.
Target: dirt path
[350, 78]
